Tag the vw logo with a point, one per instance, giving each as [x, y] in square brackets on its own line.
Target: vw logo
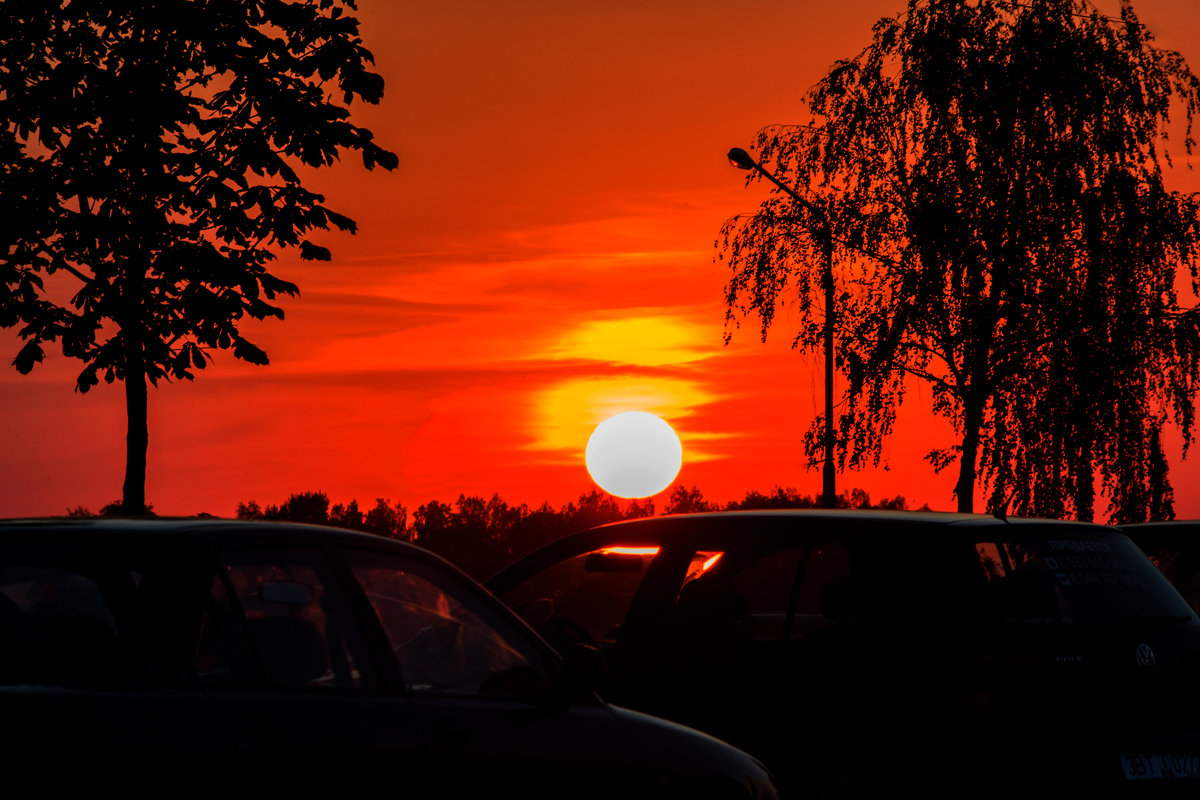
[1144, 655]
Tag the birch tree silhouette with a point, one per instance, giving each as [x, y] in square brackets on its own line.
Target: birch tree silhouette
[994, 173]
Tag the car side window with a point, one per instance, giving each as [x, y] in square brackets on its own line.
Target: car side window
[58, 628]
[808, 586]
[766, 585]
[446, 640]
[279, 615]
[584, 598]
[223, 654]
[825, 594]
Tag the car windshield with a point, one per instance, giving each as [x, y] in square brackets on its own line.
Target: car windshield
[584, 598]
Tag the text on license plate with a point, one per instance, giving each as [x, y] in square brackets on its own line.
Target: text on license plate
[1151, 766]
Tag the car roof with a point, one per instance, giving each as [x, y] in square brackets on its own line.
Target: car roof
[1192, 525]
[832, 517]
[1169, 533]
[210, 530]
[714, 525]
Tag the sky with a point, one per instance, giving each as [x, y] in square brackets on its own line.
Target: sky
[542, 259]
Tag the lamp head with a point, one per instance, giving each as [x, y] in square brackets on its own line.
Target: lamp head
[741, 159]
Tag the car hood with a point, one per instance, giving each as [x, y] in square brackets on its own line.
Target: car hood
[689, 758]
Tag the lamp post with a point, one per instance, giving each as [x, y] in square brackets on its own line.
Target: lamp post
[742, 160]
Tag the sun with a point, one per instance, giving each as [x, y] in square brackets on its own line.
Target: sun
[634, 454]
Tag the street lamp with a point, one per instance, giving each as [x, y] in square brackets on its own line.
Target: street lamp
[742, 160]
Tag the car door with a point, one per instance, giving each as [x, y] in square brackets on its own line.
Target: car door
[89, 634]
[492, 699]
[283, 655]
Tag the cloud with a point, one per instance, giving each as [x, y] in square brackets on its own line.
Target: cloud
[653, 340]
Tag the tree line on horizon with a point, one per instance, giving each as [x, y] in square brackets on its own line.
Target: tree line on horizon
[482, 535]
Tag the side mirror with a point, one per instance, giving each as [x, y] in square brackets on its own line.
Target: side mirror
[518, 683]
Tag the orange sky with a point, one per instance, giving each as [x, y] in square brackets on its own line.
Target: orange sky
[542, 259]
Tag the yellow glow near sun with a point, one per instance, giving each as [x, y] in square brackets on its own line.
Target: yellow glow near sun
[566, 413]
[634, 454]
[652, 341]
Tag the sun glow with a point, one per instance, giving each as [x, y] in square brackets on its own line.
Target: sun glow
[566, 412]
[634, 454]
[650, 341]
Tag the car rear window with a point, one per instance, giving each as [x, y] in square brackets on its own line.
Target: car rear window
[65, 626]
[1077, 578]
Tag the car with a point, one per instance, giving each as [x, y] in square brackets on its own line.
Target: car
[254, 642]
[891, 652]
[1173, 547]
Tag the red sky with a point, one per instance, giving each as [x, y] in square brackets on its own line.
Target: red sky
[542, 259]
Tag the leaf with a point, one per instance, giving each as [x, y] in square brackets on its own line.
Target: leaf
[341, 222]
[28, 355]
[312, 252]
[247, 352]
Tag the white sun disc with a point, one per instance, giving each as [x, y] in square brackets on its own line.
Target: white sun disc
[634, 454]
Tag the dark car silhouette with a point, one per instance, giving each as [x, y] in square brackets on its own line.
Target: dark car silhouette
[304, 647]
[892, 652]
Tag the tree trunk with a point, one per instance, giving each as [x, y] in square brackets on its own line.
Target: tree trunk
[972, 422]
[137, 437]
[145, 133]
[828, 477]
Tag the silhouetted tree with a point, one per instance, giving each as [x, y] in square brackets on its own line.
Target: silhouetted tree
[640, 507]
[249, 510]
[148, 156]
[346, 516]
[386, 519]
[429, 520]
[897, 503]
[993, 175]
[597, 508]
[468, 541]
[779, 498]
[473, 533]
[687, 501]
[310, 507]
[383, 519]
[535, 529]
[788, 497]
[501, 519]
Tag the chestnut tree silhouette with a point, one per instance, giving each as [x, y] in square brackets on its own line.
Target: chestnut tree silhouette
[148, 159]
[994, 176]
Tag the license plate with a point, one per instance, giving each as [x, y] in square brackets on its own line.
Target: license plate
[1160, 766]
